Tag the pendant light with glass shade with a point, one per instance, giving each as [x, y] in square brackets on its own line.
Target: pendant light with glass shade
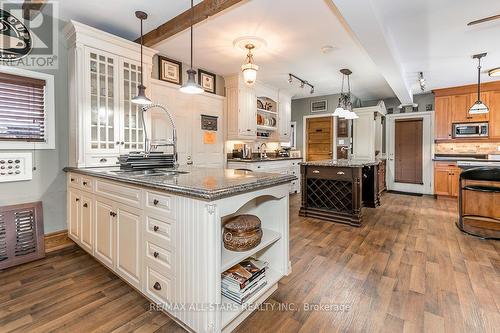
[191, 87]
[141, 97]
[344, 107]
[249, 69]
[479, 107]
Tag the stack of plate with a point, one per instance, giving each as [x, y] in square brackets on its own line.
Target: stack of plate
[138, 160]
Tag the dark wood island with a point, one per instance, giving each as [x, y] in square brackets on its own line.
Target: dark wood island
[337, 190]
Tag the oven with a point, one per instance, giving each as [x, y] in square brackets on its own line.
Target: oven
[470, 130]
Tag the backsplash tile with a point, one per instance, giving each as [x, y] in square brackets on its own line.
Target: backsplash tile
[467, 148]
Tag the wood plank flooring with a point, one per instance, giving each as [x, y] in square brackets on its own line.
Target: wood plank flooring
[408, 269]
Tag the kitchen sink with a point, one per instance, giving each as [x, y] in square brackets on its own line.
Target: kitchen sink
[148, 172]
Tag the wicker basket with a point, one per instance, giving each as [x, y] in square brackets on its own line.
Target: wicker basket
[242, 233]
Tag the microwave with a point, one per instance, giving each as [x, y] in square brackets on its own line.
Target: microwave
[470, 130]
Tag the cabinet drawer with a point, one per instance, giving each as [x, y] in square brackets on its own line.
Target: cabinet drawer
[329, 173]
[160, 203]
[159, 286]
[121, 193]
[74, 180]
[87, 183]
[160, 231]
[101, 160]
[160, 258]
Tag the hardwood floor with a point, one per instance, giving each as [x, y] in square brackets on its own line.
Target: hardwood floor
[408, 269]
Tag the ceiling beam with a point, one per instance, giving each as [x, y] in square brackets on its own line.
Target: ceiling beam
[181, 22]
[364, 21]
[31, 8]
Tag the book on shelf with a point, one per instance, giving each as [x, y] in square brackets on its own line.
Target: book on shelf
[245, 272]
[241, 298]
[235, 288]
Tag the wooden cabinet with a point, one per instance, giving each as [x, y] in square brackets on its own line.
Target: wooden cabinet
[104, 72]
[442, 125]
[460, 105]
[285, 117]
[381, 176]
[494, 116]
[446, 179]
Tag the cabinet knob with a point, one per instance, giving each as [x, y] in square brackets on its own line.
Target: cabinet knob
[315, 171]
[249, 130]
[341, 173]
[156, 228]
[155, 202]
[113, 214]
[103, 160]
[77, 199]
[157, 286]
[85, 205]
[85, 183]
[72, 179]
[117, 142]
[156, 254]
[122, 143]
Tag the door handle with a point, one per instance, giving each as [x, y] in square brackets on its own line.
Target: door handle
[156, 254]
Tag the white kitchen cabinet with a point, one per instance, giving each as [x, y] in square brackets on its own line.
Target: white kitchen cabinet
[74, 214]
[104, 72]
[86, 225]
[104, 231]
[285, 117]
[367, 131]
[128, 246]
[241, 109]
[80, 218]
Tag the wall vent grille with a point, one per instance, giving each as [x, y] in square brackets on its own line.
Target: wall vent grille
[21, 234]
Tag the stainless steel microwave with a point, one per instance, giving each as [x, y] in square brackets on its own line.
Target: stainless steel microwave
[470, 130]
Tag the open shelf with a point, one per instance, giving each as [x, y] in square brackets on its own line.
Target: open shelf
[231, 258]
[267, 111]
[266, 128]
[232, 309]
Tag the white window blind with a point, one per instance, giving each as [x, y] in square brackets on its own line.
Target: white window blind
[22, 108]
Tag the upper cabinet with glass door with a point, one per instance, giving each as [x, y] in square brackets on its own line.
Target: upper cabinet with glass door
[104, 75]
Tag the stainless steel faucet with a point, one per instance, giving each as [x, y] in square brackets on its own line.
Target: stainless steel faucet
[147, 143]
[263, 153]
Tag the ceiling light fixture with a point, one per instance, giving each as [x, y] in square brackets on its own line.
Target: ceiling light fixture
[249, 69]
[303, 83]
[494, 72]
[479, 107]
[344, 107]
[141, 97]
[191, 87]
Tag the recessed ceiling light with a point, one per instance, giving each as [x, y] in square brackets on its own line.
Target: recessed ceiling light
[327, 49]
[494, 72]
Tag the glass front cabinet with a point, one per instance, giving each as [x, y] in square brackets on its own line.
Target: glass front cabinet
[104, 73]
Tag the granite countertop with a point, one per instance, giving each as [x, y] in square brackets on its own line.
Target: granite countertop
[269, 159]
[342, 163]
[460, 157]
[202, 183]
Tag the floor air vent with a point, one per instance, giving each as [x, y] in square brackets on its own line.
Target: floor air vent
[21, 234]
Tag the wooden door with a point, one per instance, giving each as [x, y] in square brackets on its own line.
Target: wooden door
[319, 138]
[128, 223]
[74, 214]
[442, 126]
[441, 181]
[494, 116]
[485, 97]
[460, 105]
[104, 231]
[86, 214]
[408, 151]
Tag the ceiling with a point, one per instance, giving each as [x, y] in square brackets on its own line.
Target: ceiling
[118, 16]
[432, 36]
[295, 32]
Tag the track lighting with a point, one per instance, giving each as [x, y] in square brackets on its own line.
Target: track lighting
[303, 83]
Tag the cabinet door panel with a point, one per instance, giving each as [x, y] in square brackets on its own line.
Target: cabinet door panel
[494, 116]
[442, 126]
[454, 182]
[86, 214]
[128, 224]
[441, 182]
[74, 214]
[460, 105]
[104, 232]
[285, 114]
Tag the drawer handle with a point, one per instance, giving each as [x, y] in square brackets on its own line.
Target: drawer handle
[157, 286]
[112, 214]
[156, 228]
[77, 199]
[103, 160]
[85, 205]
[155, 202]
[85, 183]
[315, 171]
[156, 254]
[72, 180]
[341, 173]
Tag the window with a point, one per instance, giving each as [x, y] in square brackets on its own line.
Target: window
[26, 109]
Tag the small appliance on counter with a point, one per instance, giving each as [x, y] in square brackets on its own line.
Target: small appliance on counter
[470, 130]
[283, 152]
[243, 151]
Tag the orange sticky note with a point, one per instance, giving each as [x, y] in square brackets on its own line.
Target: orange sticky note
[209, 138]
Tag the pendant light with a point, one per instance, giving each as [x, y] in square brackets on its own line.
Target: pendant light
[249, 69]
[141, 98]
[479, 107]
[344, 107]
[191, 87]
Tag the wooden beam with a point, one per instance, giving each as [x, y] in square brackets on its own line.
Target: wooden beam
[31, 8]
[181, 22]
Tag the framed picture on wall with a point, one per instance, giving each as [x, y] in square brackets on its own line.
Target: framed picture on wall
[170, 70]
[207, 81]
[319, 106]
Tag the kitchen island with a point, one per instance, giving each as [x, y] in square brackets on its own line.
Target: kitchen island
[161, 231]
[337, 190]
